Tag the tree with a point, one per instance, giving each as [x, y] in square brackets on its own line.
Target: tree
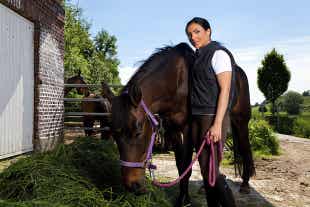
[78, 44]
[106, 49]
[95, 58]
[273, 77]
[292, 101]
[306, 93]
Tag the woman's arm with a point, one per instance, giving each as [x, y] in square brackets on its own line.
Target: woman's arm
[224, 80]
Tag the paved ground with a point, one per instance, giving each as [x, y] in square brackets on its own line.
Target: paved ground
[282, 181]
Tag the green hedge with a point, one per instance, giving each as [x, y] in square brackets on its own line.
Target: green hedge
[301, 128]
[297, 126]
[262, 138]
[285, 123]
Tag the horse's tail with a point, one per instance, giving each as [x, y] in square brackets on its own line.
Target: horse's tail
[240, 117]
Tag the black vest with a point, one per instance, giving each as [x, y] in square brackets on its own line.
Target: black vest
[204, 85]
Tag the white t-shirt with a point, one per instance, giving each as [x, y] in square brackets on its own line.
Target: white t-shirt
[221, 62]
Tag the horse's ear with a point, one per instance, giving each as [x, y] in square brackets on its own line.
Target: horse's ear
[135, 94]
[79, 72]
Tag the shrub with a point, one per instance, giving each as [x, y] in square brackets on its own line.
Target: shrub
[292, 102]
[262, 109]
[301, 128]
[262, 138]
[306, 93]
[263, 141]
[285, 123]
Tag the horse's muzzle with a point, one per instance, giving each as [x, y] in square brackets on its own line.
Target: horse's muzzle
[134, 180]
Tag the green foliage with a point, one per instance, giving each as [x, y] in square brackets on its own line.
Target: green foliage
[297, 125]
[263, 141]
[85, 173]
[96, 59]
[78, 44]
[262, 138]
[301, 128]
[273, 77]
[255, 113]
[262, 109]
[282, 124]
[306, 93]
[292, 102]
[306, 105]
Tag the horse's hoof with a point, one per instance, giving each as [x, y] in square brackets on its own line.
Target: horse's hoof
[245, 188]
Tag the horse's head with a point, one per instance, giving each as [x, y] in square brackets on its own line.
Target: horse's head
[132, 132]
[106, 91]
[78, 79]
[163, 82]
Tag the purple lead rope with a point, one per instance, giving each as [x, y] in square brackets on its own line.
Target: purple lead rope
[147, 163]
[212, 170]
[212, 165]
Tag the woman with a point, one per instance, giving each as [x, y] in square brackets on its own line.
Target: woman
[211, 79]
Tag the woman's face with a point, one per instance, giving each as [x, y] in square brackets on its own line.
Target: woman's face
[197, 35]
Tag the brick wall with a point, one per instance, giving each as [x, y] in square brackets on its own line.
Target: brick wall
[48, 19]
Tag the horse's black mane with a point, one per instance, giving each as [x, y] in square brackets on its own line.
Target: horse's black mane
[121, 104]
[160, 57]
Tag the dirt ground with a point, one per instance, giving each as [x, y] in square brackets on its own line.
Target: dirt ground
[282, 181]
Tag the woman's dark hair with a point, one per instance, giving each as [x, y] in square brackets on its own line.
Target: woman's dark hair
[198, 20]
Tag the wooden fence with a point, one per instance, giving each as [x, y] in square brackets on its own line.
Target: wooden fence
[79, 115]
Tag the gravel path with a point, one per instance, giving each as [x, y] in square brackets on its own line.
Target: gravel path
[282, 181]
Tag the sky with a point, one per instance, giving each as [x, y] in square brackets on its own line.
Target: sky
[249, 29]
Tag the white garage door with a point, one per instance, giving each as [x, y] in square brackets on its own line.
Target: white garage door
[16, 83]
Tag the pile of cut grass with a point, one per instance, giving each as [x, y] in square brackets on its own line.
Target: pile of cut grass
[85, 173]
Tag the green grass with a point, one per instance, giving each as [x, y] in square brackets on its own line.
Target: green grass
[85, 173]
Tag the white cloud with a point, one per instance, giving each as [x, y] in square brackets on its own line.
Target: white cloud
[125, 73]
[297, 57]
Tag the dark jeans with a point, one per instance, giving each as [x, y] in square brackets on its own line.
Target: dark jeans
[220, 194]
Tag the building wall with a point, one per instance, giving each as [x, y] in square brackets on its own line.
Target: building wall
[48, 19]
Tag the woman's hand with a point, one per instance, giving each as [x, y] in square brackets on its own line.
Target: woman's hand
[215, 132]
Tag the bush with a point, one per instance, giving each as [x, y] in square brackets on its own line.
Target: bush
[262, 109]
[292, 102]
[262, 138]
[285, 124]
[306, 93]
[301, 128]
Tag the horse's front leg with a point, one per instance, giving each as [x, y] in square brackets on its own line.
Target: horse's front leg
[183, 150]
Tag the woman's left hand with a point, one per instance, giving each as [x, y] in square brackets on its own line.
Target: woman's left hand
[215, 132]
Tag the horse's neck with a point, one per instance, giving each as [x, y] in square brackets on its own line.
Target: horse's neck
[109, 95]
[163, 97]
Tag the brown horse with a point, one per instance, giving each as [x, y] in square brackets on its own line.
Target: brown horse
[104, 106]
[78, 79]
[162, 82]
